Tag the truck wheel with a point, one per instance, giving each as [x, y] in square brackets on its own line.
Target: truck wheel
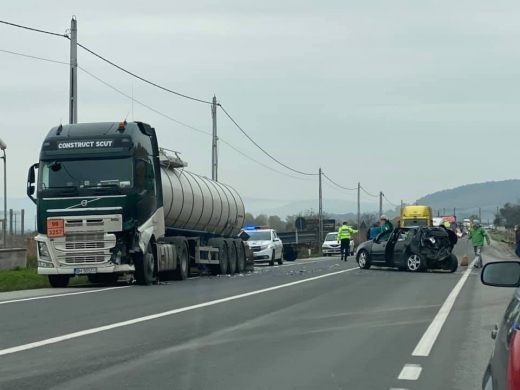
[290, 255]
[232, 257]
[271, 262]
[415, 263]
[181, 272]
[241, 256]
[59, 281]
[222, 267]
[280, 260]
[145, 266]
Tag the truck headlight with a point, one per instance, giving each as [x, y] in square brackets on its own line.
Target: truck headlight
[45, 264]
[42, 250]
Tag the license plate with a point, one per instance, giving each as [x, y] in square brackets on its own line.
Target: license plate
[85, 271]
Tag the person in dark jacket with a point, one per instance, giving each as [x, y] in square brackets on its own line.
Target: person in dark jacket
[373, 232]
[517, 234]
[451, 235]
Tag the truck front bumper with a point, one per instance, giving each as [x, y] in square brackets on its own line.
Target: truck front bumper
[123, 268]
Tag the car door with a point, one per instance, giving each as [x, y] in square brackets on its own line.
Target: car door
[379, 246]
[278, 245]
[500, 358]
[402, 240]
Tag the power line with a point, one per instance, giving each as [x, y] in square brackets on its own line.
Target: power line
[369, 194]
[186, 125]
[338, 190]
[262, 149]
[336, 184]
[34, 29]
[33, 57]
[141, 78]
[392, 204]
[142, 104]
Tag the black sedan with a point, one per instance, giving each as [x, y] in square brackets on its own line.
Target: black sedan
[413, 249]
[503, 370]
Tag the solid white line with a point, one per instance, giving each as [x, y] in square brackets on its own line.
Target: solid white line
[410, 372]
[62, 295]
[426, 343]
[158, 315]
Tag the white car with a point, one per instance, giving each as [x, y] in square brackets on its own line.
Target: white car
[330, 246]
[265, 244]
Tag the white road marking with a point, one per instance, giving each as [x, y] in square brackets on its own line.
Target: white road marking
[426, 343]
[410, 372]
[86, 332]
[292, 264]
[62, 295]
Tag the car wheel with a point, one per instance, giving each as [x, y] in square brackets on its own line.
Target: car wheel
[415, 263]
[280, 260]
[454, 263]
[363, 260]
[271, 262]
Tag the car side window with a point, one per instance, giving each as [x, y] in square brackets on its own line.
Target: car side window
[385, 236]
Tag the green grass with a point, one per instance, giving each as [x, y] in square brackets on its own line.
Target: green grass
[28, 279]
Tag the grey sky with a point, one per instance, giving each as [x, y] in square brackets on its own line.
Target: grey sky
[408, 97]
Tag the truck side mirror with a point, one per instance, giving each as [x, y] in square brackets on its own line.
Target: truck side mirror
[31, 179]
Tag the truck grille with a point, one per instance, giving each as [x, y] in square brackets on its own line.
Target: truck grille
[90, 237]
[90, 259]
[84, 245]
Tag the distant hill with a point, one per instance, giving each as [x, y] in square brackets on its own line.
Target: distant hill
[468, 198]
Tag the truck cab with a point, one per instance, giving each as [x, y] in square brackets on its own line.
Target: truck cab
[420, 216]
[98, 199]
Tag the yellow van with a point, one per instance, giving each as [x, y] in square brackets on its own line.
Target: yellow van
[416, 216]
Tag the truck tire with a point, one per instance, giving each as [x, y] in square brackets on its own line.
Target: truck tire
[222, 268]
[59, 281]
[183, 263]
[145, 266]
[232, 256]
[290, 255]
[241, 256]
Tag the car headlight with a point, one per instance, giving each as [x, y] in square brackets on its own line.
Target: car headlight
[262, 247]
[42, 250]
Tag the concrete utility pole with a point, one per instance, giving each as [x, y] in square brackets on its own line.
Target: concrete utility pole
[73, 102]
[401, 209]
[3, 147]
[214, 151]
[23, 225]
[380, 203]
[480, 214]
[320, 209]
[358, 204]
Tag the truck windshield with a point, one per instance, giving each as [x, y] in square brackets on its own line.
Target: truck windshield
[86, 173]
[415, 222]
[259, 235]
[331, 237]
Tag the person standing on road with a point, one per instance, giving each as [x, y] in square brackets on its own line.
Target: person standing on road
[477, 234]
[344, 234]
[374, 231]
[451, 235]
[517, 234]
[385, 224]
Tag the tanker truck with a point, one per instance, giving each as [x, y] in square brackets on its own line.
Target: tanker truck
[111, 202]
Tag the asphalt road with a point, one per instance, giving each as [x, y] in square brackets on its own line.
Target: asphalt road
[311, 324]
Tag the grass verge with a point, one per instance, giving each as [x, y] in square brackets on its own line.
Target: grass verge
[28, 279]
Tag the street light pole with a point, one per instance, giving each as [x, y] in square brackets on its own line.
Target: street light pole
[3, 147]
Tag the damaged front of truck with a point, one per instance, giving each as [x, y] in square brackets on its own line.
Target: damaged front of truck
[99, 202]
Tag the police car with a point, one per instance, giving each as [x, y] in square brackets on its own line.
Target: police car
[264, 243]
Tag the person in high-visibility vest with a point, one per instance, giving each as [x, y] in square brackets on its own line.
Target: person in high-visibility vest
[344, 236]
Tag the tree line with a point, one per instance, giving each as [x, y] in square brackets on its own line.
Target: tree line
[509, 215]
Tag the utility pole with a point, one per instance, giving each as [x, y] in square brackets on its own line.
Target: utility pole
[320, 210]
[358, 204]
[214, 155]
[23, 226]
[73, 102]
[479, 214]
[401, 207]
[3, 147]
[380, 203]
[454, 213]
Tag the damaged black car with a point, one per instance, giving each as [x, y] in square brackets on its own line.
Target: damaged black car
[413, 249]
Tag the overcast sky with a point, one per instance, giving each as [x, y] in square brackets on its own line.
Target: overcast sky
[408, 97]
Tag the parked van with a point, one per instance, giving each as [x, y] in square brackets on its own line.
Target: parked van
[416, 216]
